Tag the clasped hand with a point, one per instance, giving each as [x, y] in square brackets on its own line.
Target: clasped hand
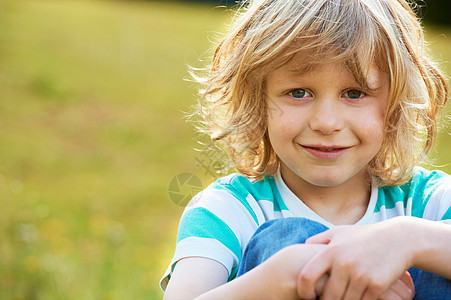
[362, 262]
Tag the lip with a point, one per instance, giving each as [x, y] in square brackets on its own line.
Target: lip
[325, 152]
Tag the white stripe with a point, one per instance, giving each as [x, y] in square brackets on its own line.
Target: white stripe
[226, 180]
[409, 207]
[398, 210]
[268, 209]
[439, 202]
[231, 211]
[256, 208]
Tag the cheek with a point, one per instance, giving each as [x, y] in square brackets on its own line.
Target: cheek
[281, 133]
[284, 127]
[371, 128]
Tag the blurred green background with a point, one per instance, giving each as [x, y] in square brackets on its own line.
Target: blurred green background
[92, 95]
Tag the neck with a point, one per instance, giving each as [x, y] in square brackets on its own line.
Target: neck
[342, 204]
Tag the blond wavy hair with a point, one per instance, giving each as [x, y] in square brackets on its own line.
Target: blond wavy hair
[266, 34]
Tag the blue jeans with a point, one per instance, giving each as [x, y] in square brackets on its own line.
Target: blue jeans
[274, 235]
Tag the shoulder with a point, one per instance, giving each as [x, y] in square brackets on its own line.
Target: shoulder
[431, 195]
[422, 183]
[241, 187]
[237, 195]
[219, 221]
[423, 177]
[427, 195]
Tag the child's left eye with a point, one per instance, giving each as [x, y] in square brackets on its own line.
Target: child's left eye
[354, 94]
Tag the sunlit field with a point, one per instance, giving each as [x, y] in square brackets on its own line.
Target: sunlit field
[92, 95]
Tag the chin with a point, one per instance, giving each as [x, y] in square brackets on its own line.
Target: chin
[326, 181]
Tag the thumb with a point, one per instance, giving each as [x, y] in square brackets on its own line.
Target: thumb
[407, 280]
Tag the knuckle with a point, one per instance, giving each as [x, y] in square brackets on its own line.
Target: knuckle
[361, 279]
[377, 288]
[304, 277]
[348, 265]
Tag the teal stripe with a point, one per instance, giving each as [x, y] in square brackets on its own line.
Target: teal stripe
[239, 195]
[419, 189]
[202, 223]
[233, 273]
[388, 196]
[423, 186]
[419, 193]
[266, 189]
[447, 215]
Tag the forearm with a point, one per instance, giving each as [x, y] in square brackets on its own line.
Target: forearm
[276, 278]
[431, 242]
[262, 282]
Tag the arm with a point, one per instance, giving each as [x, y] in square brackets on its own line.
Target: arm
[431, 244]
[363, 261]
[194, 276]
[276, 278]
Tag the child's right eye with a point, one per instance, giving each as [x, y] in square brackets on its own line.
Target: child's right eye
[299, 93]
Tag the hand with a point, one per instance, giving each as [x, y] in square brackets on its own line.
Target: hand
[363, 262]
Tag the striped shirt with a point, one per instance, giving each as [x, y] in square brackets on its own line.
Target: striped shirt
[220, 220]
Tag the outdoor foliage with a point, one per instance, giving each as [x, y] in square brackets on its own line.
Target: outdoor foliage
[93, 139]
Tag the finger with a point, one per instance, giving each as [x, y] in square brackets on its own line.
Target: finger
[355, 290]
[336, 286]
[318, 266]
[380, 287]
[401, 289]
[407, 279]
[390, 295]
[320, 284]
[321, 238]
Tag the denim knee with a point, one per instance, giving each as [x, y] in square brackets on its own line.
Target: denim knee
[275, 235]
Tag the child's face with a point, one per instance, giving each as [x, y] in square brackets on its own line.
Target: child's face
[329, 127]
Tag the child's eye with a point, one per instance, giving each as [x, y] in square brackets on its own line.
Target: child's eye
[354, 94]
[299, 93]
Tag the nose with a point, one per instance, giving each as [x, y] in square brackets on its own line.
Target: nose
[326, 117]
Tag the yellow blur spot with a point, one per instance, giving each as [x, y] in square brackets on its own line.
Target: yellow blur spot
[31, 264]
[148, 280]
[53, 228]
[99, 224]
[144, 255]
[62, 245]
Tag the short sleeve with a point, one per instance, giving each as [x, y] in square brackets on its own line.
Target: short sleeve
[436, 200]
[216, 224]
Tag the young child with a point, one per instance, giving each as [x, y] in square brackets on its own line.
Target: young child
[327, 107]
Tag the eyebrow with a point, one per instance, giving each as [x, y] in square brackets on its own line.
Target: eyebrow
[301, 69]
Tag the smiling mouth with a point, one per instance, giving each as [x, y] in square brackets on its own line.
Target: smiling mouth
[326, 149]
[327, 153]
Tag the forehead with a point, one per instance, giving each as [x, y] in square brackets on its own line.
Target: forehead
[304, 66]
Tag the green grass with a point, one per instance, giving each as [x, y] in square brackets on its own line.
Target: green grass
[92, 133]
[91, 94]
